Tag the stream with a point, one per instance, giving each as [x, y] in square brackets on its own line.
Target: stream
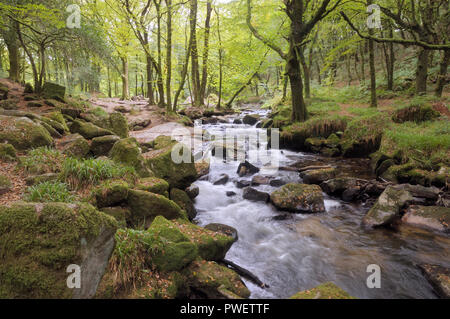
[295, 252]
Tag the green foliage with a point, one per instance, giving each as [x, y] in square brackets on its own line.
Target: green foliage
[42, 160]
[49, 192]
[82, 172]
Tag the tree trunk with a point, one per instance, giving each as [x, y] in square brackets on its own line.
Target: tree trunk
[442, 77]
[305, 73]
[124, 76]
[169, 55]
[108, 72]
[373, 79]
[195, 73]
[150, 94]
[206, 50]
[422, 71]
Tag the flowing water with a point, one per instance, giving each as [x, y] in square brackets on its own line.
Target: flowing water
[295, 252]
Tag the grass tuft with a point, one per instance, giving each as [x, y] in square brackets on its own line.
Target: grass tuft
[49, 192]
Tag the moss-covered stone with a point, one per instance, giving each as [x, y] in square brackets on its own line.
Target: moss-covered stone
[5, 184]
[145, 206]
[182, 199]
[325, 291]
[317, 176]
[23, 133]
[111, 193]
[178, 175]
[39, 241]
[118, 124]
[439, 278]
[212, 280]
[88, 130]
[53, 91]
[415, 113]
[299, 198]
[101, 146]
[121, 214]
[128, 152]
[74, 145]
[211, 245]
[9, 104]
[387, 207]
[436, 218]
[3, 91]
[7, 152]
[59, 118]
[153, 185]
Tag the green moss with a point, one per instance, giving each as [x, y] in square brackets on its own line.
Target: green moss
[111, 193]
[182, 199]
[50, 191]
[5, 184]
[127, 152]
[58, 117]
[325, 291]
[75, 145]
[7, 152]
[299, 198]
[53, 91]
[415, 113]
[118, 124]
[88, 130]
[120, 214]
[39, 241]
[153, 185]
[23, 133]
[42, 160]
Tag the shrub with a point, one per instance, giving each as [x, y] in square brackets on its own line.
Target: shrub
[83, 172]
[42, 160]
[49, 192]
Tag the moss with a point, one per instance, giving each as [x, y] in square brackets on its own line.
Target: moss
[39, 241]
[120, 214]
[211, 245]
[111, 193]
[7, 152]
[145, 206]
[53, 91]
[183, 200]
[127, 152]
[178, 175]
[299, 198]
[9, 104]
[88, 130]
[5, 184]
[75, 145]
[415, 113]
[23, 133]
[101, 146]
[209, 278]
[118, 124]
[325, 291]
[54, 124]
[153, 185]
[58, 117]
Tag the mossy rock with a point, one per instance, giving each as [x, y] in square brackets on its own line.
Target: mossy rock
[39, 242]
[184, 201]
[28, 88]
[42, 178]
[120, 214]
[211, 280]
[111, 193]
[118, 124]
[57, 116]
[54, 124]
[5, 184]
[145, 206]
[23, 133]
[127, 152]
[435, 218]
[101, 146]
[178, 175]
[7, 152]
[153, 185]
[315, 144]
[88, 130]
[415, 113]
[317, 176]
[299, 198]
[53, 91]
[161, 142]
[387, 207]
[3, 92]
[327, 290]
[211, 245]
[75, 145]
[9, 104]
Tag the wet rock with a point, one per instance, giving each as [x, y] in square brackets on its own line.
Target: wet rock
[183, 200]
[223, 229]
[202, 168]
[299, 198]
[193, 113]
[435, 218]
[242, 183]
[5, 184]
[325, 291]
[439, 278]
[387, 207]
[230, 194]
[255, 195]
[74, 234]
[74, 145]
[222, 180]
[277, 183]
[23, 133]
[251, 119]
[318, 176]
[193, 191]
[237, 121]
[247, 169]
[260, 180]
[101, 146]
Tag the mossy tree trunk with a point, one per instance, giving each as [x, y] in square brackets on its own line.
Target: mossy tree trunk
[442, 77]
[124, 76]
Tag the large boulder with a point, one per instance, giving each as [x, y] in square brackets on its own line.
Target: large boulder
[74, 145]
[251, 119]
[153, 185]
[182, 199]
[88, 130]
[40, 241]
[193, 191]
[327, 290]
[23, 133]
[128, 152]
[387, 208]
[145, 206]
[435, 218]
[53, 91]
[179, 173]
[101, 146]
[118, 124]
[299, 198]
[247, 168]
[439, 278]
[111, 193]
[214, 281]
[254, 195]
[317, 176]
